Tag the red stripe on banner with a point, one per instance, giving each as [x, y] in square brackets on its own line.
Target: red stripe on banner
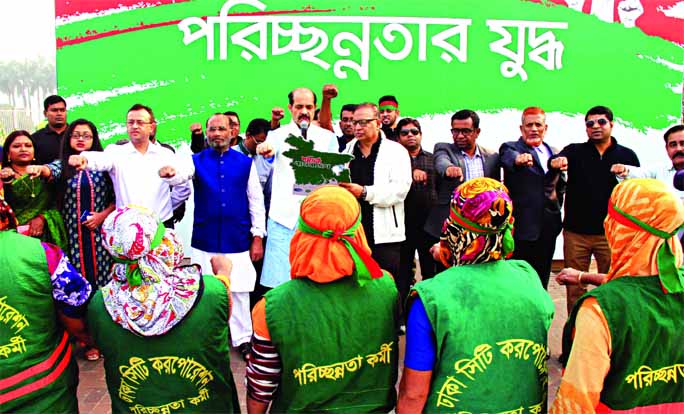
[36, 369]
[69, 8]
[92, 35]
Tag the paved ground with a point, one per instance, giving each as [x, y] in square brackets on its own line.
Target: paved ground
[93, 397]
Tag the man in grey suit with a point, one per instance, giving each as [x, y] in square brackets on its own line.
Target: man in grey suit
[459, 162]
[536, 191]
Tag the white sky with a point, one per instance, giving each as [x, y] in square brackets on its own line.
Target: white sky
[27, 29]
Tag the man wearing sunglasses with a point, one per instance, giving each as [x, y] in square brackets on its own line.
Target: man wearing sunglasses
[457, 162]
[590, 183]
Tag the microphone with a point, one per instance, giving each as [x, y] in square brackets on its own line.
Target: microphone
[678, 180]
[304, 126]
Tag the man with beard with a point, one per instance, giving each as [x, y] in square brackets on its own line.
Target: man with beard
[389, 116]
[346, 126]
[537, 193]
[284, 209]
[198, 142]
[229, 219]
[674, 145]
[48, 140]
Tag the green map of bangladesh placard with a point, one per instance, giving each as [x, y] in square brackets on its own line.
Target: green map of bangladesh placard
[313, 169]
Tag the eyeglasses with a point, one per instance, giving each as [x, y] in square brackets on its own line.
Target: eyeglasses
[133, 122]
[600, 121]
[82, 137]
[464, 131]
[362, 122]
[405, 132]
[218, 128]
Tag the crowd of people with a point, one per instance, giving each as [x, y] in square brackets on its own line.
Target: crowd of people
[315, 290]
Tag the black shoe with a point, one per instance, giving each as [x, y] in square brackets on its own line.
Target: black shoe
[245, 349]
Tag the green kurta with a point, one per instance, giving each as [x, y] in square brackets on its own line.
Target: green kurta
[647, 342]
[490, 322]
[37, 371]
[337, 343]
[186, 370]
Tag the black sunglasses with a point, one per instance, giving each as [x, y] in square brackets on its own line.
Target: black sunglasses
[405, 132]
[600, 121]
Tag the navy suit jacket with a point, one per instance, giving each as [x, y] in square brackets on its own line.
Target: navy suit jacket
[537, 196]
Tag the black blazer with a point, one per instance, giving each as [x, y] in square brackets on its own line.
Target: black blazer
[537, 197]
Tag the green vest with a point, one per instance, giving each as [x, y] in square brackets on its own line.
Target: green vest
[338, 345]
[490, 322]
[37, 371]
[186, 370]
[647, 342]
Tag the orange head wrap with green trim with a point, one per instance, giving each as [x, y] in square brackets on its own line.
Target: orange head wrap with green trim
[330, 242]
[643, 219]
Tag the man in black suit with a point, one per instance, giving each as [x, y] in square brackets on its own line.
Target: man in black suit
[536, 191]
[459, 162]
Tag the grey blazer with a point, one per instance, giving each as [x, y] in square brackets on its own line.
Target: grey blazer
[447, 155]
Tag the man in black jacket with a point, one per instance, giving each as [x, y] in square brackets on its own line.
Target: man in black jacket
[536, 191]
[590, 184]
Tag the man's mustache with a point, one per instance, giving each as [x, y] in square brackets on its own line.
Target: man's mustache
[678, 153]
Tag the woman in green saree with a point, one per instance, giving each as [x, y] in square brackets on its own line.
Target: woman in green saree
[29, 197]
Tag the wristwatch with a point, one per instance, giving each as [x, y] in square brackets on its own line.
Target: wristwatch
[363, 193]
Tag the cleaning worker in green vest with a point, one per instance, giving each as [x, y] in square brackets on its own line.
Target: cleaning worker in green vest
[326, 341]
[42, 297]
[476, 333]
[624, 340]
[163, 328]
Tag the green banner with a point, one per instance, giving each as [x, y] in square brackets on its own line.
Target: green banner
[190, 59]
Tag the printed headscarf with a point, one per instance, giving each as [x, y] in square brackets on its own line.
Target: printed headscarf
[149, 293]
[643, 219]
[480, 224]
[330, 242]
[7, 219]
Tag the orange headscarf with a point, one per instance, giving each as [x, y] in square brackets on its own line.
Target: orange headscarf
[322, 259]
[634, 251]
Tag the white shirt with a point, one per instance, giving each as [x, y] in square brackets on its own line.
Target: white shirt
[663, 173]
[136, 176]
[284, 203]
[543, 153]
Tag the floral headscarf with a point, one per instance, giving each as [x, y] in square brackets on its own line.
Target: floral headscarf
[641, 226]
[330, 242]
[149, 293]
[480, 224]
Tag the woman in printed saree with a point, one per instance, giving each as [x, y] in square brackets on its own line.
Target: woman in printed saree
[476, 333]
[622, 345]
[163, 327]
[42, 297]
[84, 198]
[31, 197]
